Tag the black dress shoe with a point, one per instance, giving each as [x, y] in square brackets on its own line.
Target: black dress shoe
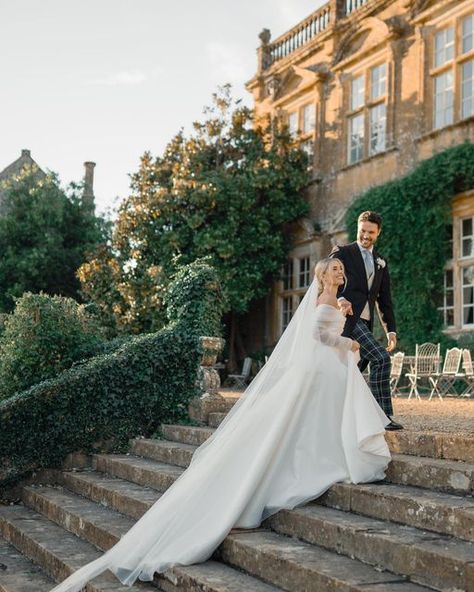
[393, 425]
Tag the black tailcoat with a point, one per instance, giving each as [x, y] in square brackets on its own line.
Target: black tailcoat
[357, 288]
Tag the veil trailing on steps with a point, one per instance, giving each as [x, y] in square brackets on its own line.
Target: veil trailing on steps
[269, 453]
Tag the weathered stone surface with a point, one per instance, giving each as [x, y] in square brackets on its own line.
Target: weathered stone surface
[215, 419]
[18, 574]
[186, 434]
[297, 566]
[458, 447]
[432, 473]
[430, 510]
[434, 444]
[406, 551]
[175, 453]
[138, 470]
[57, 551]
[126, 497]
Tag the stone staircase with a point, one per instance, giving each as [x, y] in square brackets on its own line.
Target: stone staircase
[412, 533]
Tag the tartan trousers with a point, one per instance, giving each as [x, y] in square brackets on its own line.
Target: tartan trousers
[371, 352]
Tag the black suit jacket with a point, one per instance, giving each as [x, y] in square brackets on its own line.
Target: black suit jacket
[357, 289]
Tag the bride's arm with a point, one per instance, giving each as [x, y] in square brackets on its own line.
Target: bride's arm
[322, 332]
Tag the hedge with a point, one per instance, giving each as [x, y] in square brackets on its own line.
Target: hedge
[415, 238]
[115, 396]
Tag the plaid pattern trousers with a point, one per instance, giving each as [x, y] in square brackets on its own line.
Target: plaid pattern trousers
[371, 352]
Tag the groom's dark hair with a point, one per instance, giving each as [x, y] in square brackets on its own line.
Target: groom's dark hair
[370, 216]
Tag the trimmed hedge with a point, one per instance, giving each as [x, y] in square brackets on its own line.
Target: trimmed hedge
[416, 212]
[113, 397]
[43, 336]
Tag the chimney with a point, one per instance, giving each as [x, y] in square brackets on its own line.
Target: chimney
[25, 153]
[88, 194]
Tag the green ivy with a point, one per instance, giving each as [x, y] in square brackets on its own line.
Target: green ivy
[117, 395]
[416, 212]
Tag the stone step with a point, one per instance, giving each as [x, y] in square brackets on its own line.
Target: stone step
[175, 453]
[402, 550]
[433, 445]
[90, 520]
[124, 496]
[429, 510]
[58, 552]
[297, 566]
[103, 528]
[437, 474]
[138, 470]
[18, 574]
[453, 477]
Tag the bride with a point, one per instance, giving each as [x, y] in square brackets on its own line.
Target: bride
[306, 421]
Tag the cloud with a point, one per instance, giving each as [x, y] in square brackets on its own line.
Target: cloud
[124, 78]
[289, 12]
[227, 64]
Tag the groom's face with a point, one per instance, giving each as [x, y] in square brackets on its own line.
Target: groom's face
[367, 234]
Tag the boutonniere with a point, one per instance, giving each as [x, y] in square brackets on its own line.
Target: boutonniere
[380, 262]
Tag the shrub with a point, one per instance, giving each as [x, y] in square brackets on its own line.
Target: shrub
[41, 338]
[110, 398]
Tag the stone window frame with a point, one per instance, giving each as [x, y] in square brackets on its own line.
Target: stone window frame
[454, 65]
[463, 208]
[365, 69]
[306, 139]
[291, 292]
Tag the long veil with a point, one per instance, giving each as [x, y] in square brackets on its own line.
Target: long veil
[247, 470]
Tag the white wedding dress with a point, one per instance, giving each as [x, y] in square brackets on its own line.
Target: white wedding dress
[307, 420]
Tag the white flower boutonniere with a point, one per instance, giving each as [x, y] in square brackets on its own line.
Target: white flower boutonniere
[381, 262]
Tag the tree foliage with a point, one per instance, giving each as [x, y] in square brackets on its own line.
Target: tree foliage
[45, 233]
[415, 237]
[226, 192]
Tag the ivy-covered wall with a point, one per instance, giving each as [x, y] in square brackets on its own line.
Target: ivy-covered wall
[416, 212]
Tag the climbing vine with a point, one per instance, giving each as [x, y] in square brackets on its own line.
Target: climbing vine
[415, 238]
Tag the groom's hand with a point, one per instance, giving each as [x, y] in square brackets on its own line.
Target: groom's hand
[392, 341]
[345, 306]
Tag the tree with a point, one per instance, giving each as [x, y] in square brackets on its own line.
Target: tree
[227, 192]
[45, 233]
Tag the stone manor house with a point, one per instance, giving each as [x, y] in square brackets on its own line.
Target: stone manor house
[369, 88]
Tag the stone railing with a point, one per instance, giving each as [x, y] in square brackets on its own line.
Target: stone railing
[352, 5]
[299, 35]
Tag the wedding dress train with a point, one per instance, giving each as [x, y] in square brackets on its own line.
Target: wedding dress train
[307, 420]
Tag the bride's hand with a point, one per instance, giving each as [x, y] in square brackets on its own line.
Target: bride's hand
[355, 347]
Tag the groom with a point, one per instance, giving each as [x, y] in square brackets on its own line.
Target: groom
[368, 282]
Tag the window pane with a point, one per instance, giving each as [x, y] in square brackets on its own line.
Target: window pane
[449, 318]
[444, 46]
[467, 33]
[467, 91]
[443, 100]
[308, 149]
[378, 124]
[356, 138]
[378, 81]
[293, 124]
[449, 279]
[288, 275]
[303, 274]
[308, 118]
[467, 227]
[287, 311]
[358, 92]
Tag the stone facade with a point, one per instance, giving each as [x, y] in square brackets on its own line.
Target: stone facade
[370, 88]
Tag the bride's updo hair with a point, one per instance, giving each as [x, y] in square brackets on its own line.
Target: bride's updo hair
[321, 268]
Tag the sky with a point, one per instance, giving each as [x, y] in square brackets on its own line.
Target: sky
[106, 80]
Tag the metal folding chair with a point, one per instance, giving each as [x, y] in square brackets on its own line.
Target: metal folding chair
[426, 364]
[240, 380]
[396, 372]
[442, 381]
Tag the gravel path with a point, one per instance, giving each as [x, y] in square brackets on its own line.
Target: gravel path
[454, 415]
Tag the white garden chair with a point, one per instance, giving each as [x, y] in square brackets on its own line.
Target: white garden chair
[444, 380]
[425, 365]
[468, 373]
[396, 372]
[240, 380]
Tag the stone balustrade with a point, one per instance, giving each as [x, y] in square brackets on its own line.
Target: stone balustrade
[352, 5]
